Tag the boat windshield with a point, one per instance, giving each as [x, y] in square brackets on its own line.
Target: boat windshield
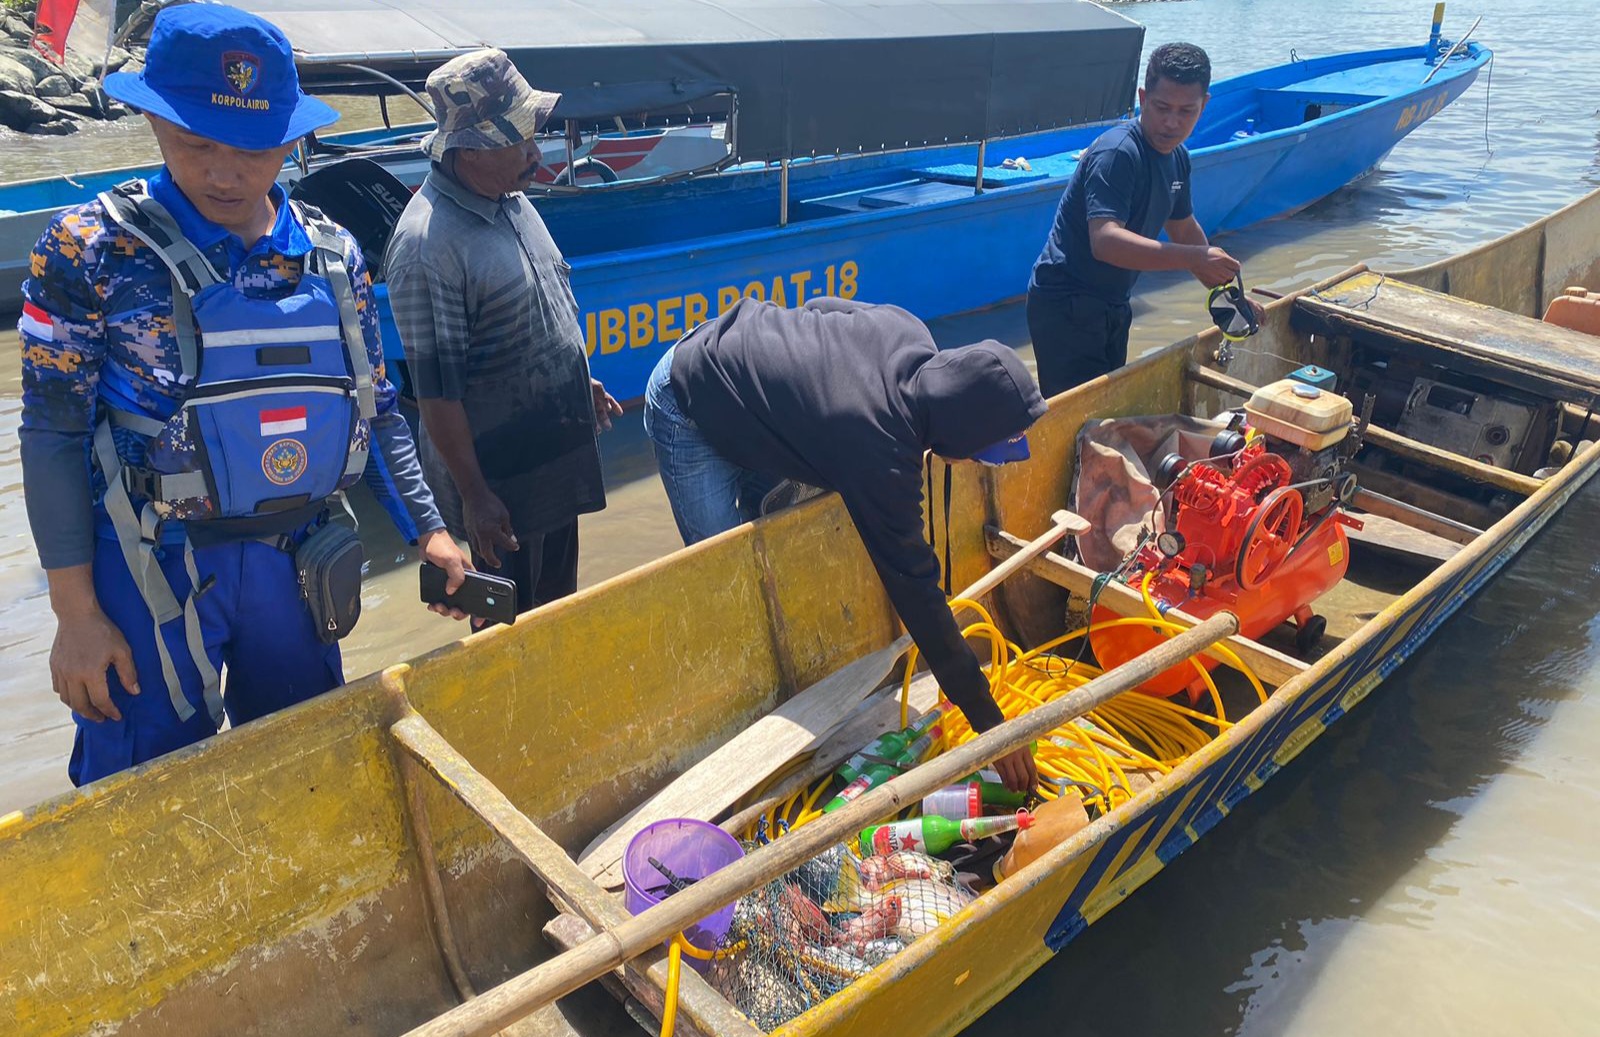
[623, 135]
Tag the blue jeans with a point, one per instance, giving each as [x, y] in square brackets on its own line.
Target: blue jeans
[708, 493]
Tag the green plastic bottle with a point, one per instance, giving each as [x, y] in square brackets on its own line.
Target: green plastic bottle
[878, 773]
[888, 747]
[920, 749]
[935, 835]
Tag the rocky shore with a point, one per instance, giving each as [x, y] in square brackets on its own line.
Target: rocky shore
[37, 96]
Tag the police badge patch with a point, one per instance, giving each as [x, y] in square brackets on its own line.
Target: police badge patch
[242, 70]
[284, 461]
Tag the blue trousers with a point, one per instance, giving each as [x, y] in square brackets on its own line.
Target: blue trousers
[254, 623]
[708, 493]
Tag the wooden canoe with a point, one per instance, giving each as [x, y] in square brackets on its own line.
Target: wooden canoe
[305, 874]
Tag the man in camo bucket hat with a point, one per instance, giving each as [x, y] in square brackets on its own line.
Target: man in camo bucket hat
[492, 337]
[481, 102]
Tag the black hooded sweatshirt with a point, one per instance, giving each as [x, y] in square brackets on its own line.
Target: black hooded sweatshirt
[848, 396]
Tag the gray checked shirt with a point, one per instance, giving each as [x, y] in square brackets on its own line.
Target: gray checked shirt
[481, 297]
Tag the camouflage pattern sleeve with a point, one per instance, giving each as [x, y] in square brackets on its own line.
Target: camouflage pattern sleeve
[62, 326]
[393, 472]
[62, 331]
[386, 397]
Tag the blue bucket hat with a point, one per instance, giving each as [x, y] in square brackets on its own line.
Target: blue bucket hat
[222, 74]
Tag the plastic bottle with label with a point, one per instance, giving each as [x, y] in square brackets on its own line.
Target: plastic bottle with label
[967, 800]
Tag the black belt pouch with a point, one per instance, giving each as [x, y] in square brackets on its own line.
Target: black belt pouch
[329, 563]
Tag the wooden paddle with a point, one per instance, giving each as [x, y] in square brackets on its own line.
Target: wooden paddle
[741, 764]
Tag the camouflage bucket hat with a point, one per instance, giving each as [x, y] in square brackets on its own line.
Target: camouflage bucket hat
[482, 102]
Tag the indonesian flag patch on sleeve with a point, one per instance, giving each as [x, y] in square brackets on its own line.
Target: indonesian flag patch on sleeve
[282, 421]
[36, 322]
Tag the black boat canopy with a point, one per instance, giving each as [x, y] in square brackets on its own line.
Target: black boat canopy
[811, 76]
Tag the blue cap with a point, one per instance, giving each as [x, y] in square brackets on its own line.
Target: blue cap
[223, 74]
[1005, 451]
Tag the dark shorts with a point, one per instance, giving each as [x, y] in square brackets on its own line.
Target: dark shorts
[1076, 338]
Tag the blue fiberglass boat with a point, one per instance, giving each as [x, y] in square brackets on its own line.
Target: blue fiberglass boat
[912, 228]
[854, 141]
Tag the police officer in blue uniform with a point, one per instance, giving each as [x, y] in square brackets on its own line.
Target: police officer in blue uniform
[202, 376]
[1130, 185]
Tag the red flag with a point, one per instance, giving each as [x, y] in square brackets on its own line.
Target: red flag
[50, 26]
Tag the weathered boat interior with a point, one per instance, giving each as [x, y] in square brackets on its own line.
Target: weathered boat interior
[378, 859]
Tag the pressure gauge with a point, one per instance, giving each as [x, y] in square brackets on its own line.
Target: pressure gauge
[1170, 543]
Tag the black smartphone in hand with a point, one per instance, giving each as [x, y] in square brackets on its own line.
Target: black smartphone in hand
[482, 596]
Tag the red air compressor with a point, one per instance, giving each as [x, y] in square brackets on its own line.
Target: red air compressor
[1256, 528]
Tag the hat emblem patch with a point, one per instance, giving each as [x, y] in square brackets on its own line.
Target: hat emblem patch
[242, 70]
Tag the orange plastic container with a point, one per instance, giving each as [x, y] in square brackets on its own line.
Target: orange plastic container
[1054, 822]
[1577, 309]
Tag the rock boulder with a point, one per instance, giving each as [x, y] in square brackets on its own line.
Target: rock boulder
[21, 111]
[14, 75]
[16, 28]
[115, 61]
[53, 87]
[79, 104]
[55, 127]
[37, 63]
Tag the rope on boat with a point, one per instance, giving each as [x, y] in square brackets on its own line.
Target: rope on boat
[1135, 734]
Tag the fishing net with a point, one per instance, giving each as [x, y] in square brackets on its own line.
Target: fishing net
[803, 937]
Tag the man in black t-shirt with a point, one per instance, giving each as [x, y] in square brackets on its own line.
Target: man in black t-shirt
[1130, 185]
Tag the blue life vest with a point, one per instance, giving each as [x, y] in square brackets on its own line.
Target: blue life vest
[275, 419]
[279, 389]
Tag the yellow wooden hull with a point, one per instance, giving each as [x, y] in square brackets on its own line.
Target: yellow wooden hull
[270, 882]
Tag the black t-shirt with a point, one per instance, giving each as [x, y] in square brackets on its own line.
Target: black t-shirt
[1120, 177]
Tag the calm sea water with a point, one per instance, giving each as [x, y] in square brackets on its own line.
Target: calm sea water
[1425, 866]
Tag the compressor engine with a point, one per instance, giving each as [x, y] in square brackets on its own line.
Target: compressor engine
[1257, 527]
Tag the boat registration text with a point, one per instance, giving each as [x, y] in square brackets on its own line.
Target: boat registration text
[665, 320]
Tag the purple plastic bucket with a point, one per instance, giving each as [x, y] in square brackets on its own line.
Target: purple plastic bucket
[690, 850]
